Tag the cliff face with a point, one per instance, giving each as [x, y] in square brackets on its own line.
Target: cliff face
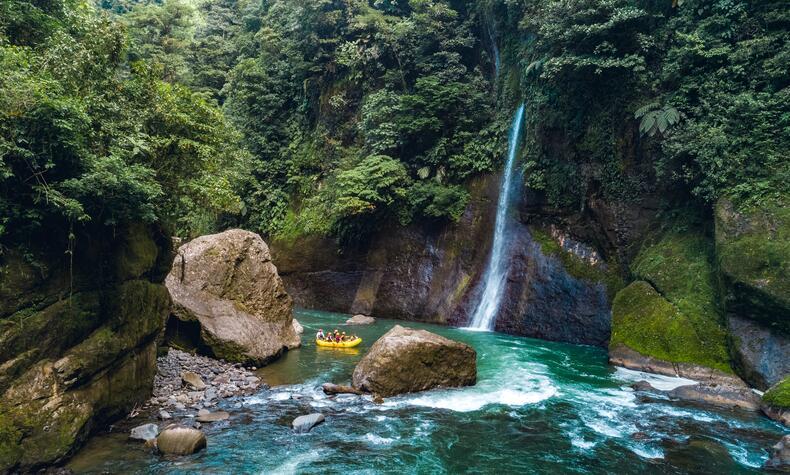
[77, 341]
[431, 273]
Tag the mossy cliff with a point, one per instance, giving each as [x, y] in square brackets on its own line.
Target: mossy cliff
[670, 312]
[77, 342]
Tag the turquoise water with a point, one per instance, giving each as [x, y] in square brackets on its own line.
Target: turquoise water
[538, 407]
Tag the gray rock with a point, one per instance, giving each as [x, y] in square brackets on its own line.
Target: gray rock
[180, 407]
[211, 393]
[361, 320]
[761, 356]
[203, 412]
[144, 432]
[780, 458]
[164, 415]
[213, 416]
[180, 440]
[193, 379]
[303, 424]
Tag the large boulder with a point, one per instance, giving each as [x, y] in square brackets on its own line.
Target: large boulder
[228, 283]
[760, 356]
[753, 249]
[405, 360]
[669, 318]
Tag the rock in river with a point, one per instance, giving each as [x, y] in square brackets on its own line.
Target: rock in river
[780, 459]
[331, 388]
[361, 320]
[405, 360]
[228, 284]
[180, 440]
[144, 432]
[303, 424]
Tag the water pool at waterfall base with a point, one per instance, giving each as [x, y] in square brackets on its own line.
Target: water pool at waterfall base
[537, 407]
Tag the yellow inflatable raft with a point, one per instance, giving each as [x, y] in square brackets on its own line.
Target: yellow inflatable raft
[342, 344]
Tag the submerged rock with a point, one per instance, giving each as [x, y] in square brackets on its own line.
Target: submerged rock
[303, 424]
[405, 360]
[361, 320]
[228, 284]
[780, 457]
[737, 397]
[144, 432]
[731, 396]
[330, 388]
[180, 440]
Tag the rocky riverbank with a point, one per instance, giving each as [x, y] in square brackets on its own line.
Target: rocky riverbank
[185, 383]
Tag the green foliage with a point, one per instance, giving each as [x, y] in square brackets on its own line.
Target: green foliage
[587, 66]
[86, 136]
[656, 119]
[332, 81]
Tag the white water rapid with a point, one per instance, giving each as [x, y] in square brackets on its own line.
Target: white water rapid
[493, 281]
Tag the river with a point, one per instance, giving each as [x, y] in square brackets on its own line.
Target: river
[538, 407]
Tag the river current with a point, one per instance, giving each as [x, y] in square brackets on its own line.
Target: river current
[538, 407]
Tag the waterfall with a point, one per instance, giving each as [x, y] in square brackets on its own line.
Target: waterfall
[494, 49]
[493, 281]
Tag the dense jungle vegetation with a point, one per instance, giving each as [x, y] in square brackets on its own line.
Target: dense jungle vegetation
[334, 116]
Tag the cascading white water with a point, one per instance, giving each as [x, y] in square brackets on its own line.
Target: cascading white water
[493, 281]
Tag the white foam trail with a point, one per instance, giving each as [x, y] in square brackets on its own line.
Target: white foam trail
[658, 381]
[514, 384]
[496, 270]
[292, 465]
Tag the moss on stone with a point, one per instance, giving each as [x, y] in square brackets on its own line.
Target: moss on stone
[137, 255]
[680, 266]
[779, 395]
[753, 249]
[10, 437]
[605, 273]
[646, 322]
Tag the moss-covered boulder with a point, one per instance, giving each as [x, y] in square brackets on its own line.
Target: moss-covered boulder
[753, 250]
[670, 314]
[776, 402]
[649, 324]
